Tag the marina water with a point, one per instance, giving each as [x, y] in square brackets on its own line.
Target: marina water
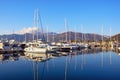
[76, 65]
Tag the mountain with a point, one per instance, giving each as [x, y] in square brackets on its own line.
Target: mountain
[56, 37]
[79, 36]
[116, 37]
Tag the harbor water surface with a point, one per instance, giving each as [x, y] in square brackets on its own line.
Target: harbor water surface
[74, 66]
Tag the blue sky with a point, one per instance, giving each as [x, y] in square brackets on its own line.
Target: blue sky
[90, 14]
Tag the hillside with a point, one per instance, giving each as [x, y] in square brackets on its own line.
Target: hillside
[56, 37]
[116, 37]
[79, 36]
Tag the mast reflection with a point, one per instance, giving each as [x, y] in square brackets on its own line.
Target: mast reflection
[36, 59]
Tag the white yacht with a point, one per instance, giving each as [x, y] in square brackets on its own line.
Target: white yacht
[64, 47]
[52, 47]
[34, 47]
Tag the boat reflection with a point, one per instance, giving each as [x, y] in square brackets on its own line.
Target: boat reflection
[9, 56]
[66, 63]
[37, 56]
[36, 59]
[117, 51]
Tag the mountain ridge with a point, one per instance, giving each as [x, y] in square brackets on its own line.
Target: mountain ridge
[51, 36]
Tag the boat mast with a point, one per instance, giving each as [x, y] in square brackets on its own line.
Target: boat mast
[84, 38]
[111, 46]
[75, 35]
[102, 59]
[41, 26]
[82, 33]
[13, 34]
[47, 34]
[34, 25]
[25, 37]
[110, 33]
[102, 34]
[66, 28]
[94, 38]
[37, 20]
[53, 37]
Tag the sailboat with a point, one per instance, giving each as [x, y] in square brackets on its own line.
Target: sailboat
[65, 45]
[36, 46]
[36, 58]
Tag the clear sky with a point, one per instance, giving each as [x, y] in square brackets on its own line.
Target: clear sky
[90, 14]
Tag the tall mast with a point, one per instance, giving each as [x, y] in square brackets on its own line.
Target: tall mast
[75, 35]
[111, 46]
[102, 59]
[66, 28]
[102, 33]
[110, 34]
[34, 25]
[41, 26]
[53, 37]
[37, 22]
[82, 32]
[117, 41]
[25, 37]
[95, 37]
[47, 34]
[13, 34]
[84, 38]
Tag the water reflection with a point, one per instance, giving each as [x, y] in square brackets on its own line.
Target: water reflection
[37, 56]
[9, 56]
[36, 59]
[77, 65]
[117, 51]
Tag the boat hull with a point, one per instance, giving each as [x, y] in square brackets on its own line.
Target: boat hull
[35, 50]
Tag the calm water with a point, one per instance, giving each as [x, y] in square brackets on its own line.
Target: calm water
[75, 66]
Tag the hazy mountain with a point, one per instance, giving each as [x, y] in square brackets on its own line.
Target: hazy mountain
[76, 36]
[55, 37]
[116, 37]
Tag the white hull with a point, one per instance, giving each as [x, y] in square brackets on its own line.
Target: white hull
[35, 50]
[53, 48]
[74, 47]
